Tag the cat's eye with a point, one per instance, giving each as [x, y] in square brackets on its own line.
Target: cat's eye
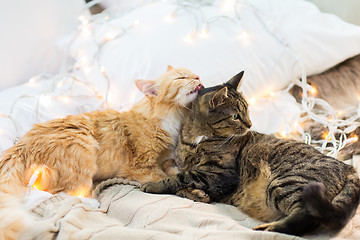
[236, 116]
[182, 77]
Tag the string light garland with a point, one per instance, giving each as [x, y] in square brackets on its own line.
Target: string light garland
[340, 126]
[32, 181]
[318, 110]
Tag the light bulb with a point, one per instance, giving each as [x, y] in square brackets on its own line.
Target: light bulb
[60, 84]
[110, 36]
[355, 138]
[243, 34]
[296, 125]
[33, 178]
[283, 133]
[99, 97]
[81, 193]
[189, 38]
[103, 70]
[252, 101]
[65, 99]
[204, 33]
[313, 90]
[136, 22]
[326, 136]
[32, 81]
[228, 5]
[84, 20]
[169, 18]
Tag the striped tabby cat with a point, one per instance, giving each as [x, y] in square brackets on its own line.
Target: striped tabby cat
[286, 183]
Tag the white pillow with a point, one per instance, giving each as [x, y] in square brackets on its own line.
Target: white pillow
[270, 40]
[320, 40]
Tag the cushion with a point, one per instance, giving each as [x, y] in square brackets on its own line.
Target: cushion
[272, 40]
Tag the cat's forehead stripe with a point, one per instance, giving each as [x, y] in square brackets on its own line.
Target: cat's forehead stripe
[242, 104]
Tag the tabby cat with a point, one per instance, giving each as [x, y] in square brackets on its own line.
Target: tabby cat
[286, 183]
[72, 152]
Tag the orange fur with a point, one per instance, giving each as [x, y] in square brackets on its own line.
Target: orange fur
[73, 152]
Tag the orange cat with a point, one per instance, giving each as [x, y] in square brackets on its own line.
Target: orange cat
[72, 152]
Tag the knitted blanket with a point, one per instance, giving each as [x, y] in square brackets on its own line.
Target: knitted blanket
[127, 213]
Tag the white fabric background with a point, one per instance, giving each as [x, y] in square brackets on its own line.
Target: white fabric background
[280, 36]
[29, 31]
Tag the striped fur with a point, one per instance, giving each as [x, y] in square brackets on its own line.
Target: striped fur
[286, 183]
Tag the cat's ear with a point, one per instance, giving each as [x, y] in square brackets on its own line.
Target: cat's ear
[147, 87]
[218, 98]
[235, 81]
[169, 68]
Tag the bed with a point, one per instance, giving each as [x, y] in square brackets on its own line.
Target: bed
[277, 42]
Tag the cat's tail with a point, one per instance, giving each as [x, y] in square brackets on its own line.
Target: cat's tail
[336, 213]
[14, 219]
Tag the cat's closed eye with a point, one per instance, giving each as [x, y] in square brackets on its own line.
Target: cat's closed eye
[185, 77]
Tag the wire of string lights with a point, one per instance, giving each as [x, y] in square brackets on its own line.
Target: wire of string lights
[339, 127]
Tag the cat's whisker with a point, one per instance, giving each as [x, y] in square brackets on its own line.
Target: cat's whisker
[186, 107]
[182, 92]
[226, 140]
[232, 138]
[221, 143]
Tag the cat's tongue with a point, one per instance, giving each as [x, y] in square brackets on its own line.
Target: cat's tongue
[198, 87]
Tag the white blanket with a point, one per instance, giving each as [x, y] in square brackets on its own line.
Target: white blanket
[127, 213]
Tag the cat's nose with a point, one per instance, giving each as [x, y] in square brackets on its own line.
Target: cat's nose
[197, 78]
[248, 124]
[247, 121]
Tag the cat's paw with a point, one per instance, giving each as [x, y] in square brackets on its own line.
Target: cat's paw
[267, 227]
[194, 194]
[152, 187]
